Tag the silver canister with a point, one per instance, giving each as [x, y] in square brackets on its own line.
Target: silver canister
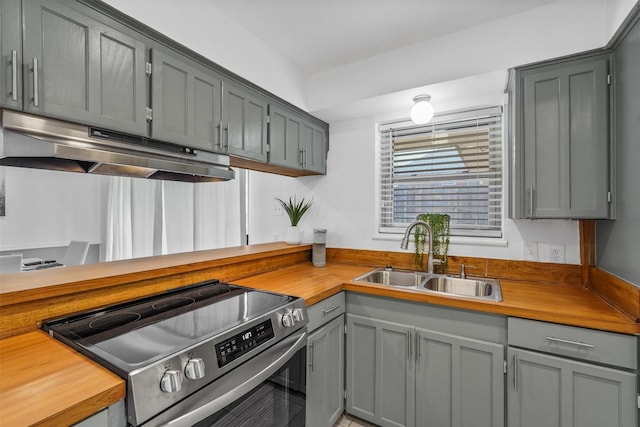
[319, 250]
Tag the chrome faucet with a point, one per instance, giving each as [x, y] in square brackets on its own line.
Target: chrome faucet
[404, 244]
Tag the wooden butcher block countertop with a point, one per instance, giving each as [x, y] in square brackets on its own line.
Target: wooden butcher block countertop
[43, 382]
[566, 304]
[46, 383]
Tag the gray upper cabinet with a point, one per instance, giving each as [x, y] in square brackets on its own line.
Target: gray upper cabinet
[296, 142]
[313, 148]
[186, 102]
[79, 68]
[244, 123]
[11, 54]
[562, 161]
[284, 137]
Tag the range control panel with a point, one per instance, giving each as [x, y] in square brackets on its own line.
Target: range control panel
[229, 350]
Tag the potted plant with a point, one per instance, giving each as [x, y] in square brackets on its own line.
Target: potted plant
[295, 210]
[439, 224]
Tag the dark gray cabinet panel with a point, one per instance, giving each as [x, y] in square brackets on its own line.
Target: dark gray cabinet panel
[313, 148]
[244, 132]
[285, 130]
[459, 381]
[550, 391]
[80, 69]
[186, 102]
[11, 54]
[562, 142]
[380, 383]
[325, 374]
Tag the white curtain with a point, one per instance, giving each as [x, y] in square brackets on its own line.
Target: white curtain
[147, 217]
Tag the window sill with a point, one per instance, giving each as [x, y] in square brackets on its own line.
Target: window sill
[453, 240]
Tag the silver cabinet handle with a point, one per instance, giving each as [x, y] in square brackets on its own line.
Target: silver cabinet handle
[515, 371]
[329, 310]
[312, 354]
[14, 75]
[226, 130]
[576, 343]
[409, 345]
[220, 136]
[531, 200]
[418, 339]
[36, 102]
[302, 157]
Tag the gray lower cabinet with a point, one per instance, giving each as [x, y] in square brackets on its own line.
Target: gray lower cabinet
[565, 376]
[400, 375]
[325, 374]
[380, 371]
[10, 55]
[459, 381]
[562, 163]
[187, 101]
[244, 123]
[112, 416]
[551, 391]
[80, 68]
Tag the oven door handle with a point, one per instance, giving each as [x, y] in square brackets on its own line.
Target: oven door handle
[235, 384]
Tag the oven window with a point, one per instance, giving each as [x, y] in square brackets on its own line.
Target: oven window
[277, 402]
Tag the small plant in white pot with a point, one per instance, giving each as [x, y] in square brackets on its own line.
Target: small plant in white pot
[295, 209]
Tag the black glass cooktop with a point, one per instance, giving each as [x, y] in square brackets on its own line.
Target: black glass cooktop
[136, 333]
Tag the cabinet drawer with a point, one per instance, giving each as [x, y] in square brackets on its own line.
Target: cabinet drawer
[325, 310]
[571, 341]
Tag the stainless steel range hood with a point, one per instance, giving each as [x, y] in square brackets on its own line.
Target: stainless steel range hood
[37, 142]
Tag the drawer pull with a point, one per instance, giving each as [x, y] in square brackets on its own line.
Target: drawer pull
[329, 310]
[576, 343]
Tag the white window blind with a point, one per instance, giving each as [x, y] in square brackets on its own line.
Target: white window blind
[452, 165]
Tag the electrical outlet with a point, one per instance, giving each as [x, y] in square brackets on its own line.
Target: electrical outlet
[277, 209]
[556, 253]
[530, 251]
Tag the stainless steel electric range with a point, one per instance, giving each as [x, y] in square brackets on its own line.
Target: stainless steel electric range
[209, 354]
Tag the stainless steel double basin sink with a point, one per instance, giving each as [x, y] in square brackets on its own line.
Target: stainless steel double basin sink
[470, 287]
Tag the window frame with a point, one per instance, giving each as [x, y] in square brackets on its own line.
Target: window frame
[489, 235]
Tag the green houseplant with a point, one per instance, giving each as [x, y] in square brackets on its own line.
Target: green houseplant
[295, 210]
[439, 223]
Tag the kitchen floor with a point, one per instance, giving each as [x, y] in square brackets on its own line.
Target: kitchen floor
[349, 421]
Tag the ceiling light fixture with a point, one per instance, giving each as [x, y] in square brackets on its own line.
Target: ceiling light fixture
[422, 110]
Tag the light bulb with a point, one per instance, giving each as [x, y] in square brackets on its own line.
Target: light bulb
[422, 110]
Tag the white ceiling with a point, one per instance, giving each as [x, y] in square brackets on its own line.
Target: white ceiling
[318, 35]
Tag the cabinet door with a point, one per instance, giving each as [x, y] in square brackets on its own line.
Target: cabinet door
[284, 138]
[380, 371]
[186, 102]
[78, 68]
[11, 55]
[459, 381]
[565, 134]
[313, 148]
[555, 392]
[244, 123]
[325, 374]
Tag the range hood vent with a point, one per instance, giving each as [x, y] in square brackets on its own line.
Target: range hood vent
[42, 143]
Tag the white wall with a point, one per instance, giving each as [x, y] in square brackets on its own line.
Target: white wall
[345, 204]
[50, 208]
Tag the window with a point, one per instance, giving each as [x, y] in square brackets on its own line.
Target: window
[452, 165]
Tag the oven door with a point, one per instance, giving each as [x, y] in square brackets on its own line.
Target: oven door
[267, 390]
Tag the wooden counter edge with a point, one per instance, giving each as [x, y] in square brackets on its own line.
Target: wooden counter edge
[34, 360]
